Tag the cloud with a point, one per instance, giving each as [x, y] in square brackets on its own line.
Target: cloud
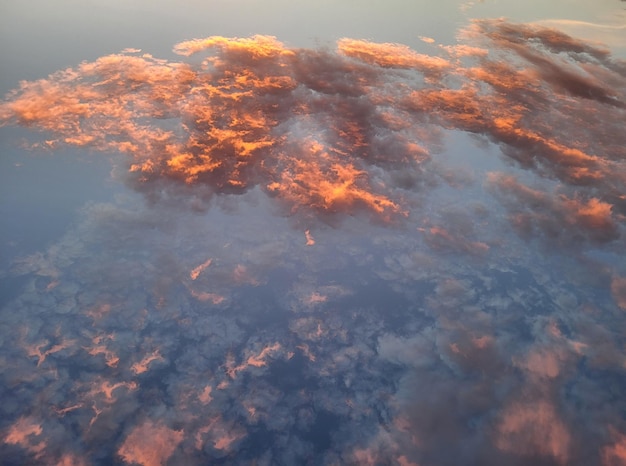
[329, 133]
[236, 117]
[475, 356]
[392, 56]
[533, 430]
[607, 34]
[150, 444]
[615, 454]
[559, 219]
[150, 334]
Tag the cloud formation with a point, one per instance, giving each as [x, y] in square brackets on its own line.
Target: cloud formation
[331, 132]
[150, 335]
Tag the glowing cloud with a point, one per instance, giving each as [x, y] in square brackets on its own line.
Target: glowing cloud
[532, 430]
[142, 366]
[150, 444]
[195, 273]
[236, 121]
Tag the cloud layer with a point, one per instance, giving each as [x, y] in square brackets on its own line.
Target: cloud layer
[347, 130]
[476, 316]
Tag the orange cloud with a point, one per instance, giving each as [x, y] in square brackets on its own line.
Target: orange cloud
[41, 355]
[336, 133]
[229, 143]
[309, 238]
[25, 432]
[107, 388]
[391, 55]
[315, 298]
[226, 440]
[211, 297]
[615, 454]
[195, 273]
[110, 357]
[256, 47]
[255, 360]
[222, 435]
[559, 218]
[150, 444]
[142, 366]
[259, 359]
[20, 431]
[330, 190]
[533, 429]
[205, 396]
[69, 459]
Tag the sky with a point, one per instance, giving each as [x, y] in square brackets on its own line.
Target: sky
[369, 233]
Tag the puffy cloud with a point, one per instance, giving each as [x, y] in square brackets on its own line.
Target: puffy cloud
[21, 432]
[392, 56]
[235, 118]
[329, 133]
[533, 430]
[557, 218]
[615, 454]
[150, 444]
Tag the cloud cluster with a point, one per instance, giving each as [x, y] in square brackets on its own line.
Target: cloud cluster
[332, 132]
[381, 349]
[557, 219]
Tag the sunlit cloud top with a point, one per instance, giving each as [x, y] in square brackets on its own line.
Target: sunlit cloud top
[347, 130]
